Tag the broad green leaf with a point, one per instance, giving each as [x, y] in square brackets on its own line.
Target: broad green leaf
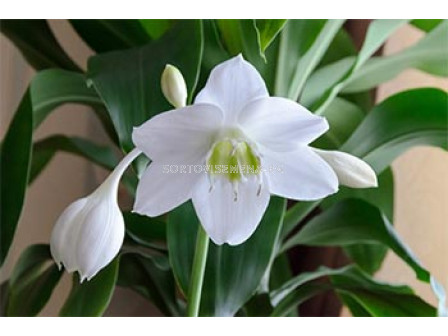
[32, 281]
[380, 299]
[296, 39]
[108, 35]
[353, 222]
[91, 298]
[15, 157]
[407, 119]
[355, 308]
[364, 295]
[147, 231]
[343, 118]
[429, 55]
[37, 43]
[382, 196]
[342, 46]
[377, 33]
[45, 149]
[232, 35]
[426, 24]
[151, 277]
[311, 59]
[267, 31]
[240, 36]
[297, 213]
[155, 28]
[258, 306]
[369, 256]
[232, 274]
[48, 90]
[128, 81]
[291, 285]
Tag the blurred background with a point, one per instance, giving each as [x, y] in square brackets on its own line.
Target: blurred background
[421, 175]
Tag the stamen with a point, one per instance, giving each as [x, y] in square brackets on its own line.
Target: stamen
[260, 183]
[235, 191]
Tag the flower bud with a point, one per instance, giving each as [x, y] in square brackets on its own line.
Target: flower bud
[173, 86]
[89, 233]
[350, 170]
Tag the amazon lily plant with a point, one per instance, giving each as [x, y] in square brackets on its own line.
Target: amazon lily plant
[215, 169]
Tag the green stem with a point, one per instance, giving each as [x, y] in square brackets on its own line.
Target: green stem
[197, 273]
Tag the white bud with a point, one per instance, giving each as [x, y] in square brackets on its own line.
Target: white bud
[173, 86]
[350, 170]
[89, 233]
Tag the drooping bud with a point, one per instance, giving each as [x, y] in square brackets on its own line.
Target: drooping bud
[89, 233]
[350, 170]
[173, 86]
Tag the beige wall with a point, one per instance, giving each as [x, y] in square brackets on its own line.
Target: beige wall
[421, 177]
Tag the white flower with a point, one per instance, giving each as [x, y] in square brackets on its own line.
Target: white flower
[90, 231]
[173, 86]
[233, 123]
[351, 171]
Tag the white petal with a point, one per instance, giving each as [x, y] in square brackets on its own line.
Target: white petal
[164, 187]
[281, 124]
[300, 174]
[100, 238]
[64, 234]
[351, 171]
[224, 219]
[178, 134]
[231, 86]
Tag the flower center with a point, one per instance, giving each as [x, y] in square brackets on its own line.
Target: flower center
[234, 159]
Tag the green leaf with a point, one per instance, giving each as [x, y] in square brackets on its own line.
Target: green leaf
[377, 33]
[311, 59]
[426, 24]
[45, 149]
[151, 277]
[155, 28]
[429, 55]
[407, 119]
[37, 43]
[128, 81]
[108, 35]
[364, 295]
[232, 35]
[382, 196]
[297, 213]
[48, 90]
[232, 274]
[91, 298]
[32, 281]
[295, 40]
[352, 222]
[380, 299]
[267, 31]
[369, 256]
[146, 231]
[343, 118]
